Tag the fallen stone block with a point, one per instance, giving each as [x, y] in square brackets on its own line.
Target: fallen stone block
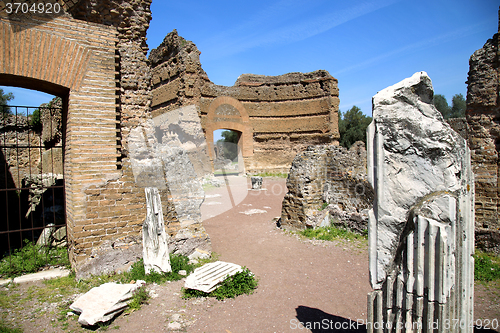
[207, 277]
[103, 303]
[253, 211]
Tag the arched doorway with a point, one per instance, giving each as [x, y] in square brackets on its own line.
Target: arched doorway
[228, 113]
[228, 156]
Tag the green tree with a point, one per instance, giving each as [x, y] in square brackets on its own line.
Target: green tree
[229, 136]
[441, 104]
[229, 144]
[4, 101]
[35, 120]
[352, 126]
[458, 106]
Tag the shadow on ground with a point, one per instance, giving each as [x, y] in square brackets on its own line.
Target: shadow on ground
[318, 321]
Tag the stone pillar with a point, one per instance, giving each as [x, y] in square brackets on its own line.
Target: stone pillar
[421, 229]
[154, 237]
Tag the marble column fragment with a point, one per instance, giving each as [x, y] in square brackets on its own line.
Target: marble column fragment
[421, 229]
[154, 236]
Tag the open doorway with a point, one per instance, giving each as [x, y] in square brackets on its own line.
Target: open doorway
[228, 157]
[32, 199]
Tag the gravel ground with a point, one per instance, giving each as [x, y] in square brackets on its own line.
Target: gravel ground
[300, 281]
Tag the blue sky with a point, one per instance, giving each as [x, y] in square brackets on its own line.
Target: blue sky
[366, 45]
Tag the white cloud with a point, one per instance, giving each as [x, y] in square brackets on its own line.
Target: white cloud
[411, 48]
[263, 29]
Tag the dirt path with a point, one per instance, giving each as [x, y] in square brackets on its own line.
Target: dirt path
[298, 281]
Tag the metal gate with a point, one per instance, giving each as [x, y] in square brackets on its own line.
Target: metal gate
[32, 206]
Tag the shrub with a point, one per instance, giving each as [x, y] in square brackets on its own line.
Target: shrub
[139, 297]
[30, 258]
[243, 282]
[35, 119]
[177, 263]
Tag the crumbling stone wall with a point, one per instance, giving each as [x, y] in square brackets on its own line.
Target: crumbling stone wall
[277, 116]
[483, 119]
[331, 175]
[22, 162]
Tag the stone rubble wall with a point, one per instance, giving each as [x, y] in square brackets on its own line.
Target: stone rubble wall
[21, 162]
[483, 120]
[278, 116]
[331, 175]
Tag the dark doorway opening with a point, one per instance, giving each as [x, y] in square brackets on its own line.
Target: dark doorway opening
[32, 199]
[228, 157]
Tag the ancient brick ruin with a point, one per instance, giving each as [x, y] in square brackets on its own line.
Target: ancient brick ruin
[93, 56]
[276, 116]
[483, 131]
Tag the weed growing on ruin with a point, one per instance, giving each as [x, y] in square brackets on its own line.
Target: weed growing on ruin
[331, 233]
[486, 267]
[31, 258]
[243, 282]
[177, 263]
[139, 297]
[323, 206]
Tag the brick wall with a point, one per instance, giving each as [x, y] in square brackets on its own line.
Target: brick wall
[100, 70]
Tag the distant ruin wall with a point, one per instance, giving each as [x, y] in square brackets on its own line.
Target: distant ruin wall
[277, 116]
[483, 118]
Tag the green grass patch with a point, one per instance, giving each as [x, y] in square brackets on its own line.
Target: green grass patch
[486, 266]
[272, 174]
[331, 233]
[8, 298]
[139, 297]
[177, 263]
[31, 258]
[4, 328]
[226, 172]
[243, 282]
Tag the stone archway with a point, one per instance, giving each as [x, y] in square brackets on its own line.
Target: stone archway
[228, 113]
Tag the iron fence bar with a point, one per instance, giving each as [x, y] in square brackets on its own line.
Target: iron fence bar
[18, 179]
[30, 188]
[27, 229]
[31, 176]
[12, 146]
